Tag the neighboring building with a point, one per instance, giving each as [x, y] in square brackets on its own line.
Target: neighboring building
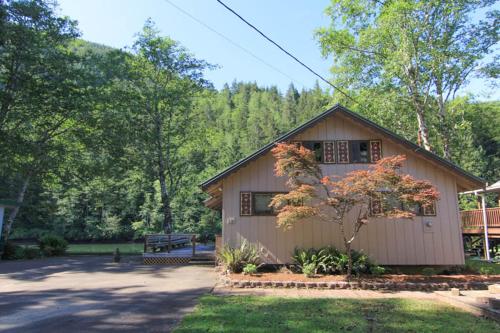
[343, 141]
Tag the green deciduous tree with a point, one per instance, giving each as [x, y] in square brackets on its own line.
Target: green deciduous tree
[163, 83]
[425, 51]
[43, 93]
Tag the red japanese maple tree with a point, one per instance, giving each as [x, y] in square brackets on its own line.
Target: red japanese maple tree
[332, 198]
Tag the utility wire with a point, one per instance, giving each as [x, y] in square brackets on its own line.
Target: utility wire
[287, 53]
[232, 42]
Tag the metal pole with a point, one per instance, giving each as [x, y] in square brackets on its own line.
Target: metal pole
[485, 222]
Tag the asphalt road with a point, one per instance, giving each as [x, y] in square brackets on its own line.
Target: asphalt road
[92, 294]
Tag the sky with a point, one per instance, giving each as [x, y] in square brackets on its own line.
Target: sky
[289, 22]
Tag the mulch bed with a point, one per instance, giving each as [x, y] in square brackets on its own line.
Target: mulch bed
[384, 282]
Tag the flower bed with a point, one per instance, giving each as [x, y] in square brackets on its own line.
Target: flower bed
[384, 282]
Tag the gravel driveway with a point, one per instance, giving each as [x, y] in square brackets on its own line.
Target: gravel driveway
[92, 294]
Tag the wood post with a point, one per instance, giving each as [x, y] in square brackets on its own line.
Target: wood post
[193, 241]
[145, 243]
[169, 246]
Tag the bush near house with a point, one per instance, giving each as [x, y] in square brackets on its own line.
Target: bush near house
[250, 269]
[51, 245]
[482, 267]
[15, 252]
[235, 259]
[329, 260]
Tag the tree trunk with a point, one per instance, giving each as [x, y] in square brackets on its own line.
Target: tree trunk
[15, 210]
[444, 132]
[165, 198]
[347, 246]
[165, 201]
[423, 132]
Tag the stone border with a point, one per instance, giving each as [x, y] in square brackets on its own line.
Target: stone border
[363, 285]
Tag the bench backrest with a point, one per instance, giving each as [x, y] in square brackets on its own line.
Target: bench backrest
[163, 239]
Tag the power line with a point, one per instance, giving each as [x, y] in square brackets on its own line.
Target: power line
[232, 42]
[286, 52]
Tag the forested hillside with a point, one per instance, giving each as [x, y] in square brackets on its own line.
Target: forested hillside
[99, 143]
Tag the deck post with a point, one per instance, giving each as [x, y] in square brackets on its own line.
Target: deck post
[193, 241]
[485, 222]
[145, 243]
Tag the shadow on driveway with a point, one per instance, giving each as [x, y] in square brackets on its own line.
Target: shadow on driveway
[91, 294]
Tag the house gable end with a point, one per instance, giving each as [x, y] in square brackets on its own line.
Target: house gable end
[464, 178]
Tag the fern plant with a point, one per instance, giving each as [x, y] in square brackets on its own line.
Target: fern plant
[329, 260]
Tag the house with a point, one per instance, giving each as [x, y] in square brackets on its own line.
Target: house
[343, 141]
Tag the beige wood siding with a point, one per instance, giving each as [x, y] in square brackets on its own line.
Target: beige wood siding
[390, 242]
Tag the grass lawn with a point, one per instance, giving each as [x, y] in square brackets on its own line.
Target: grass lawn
[125, 248]
[274, 314]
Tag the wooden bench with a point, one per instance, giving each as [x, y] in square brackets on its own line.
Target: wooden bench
[166, 241]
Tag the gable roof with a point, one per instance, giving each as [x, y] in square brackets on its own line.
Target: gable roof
[356, 117]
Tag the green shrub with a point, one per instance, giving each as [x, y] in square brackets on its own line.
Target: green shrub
[303, 257]
[309, 269]
[51, 245]
[486, 270]
[11, 251]
[428, 271]
[377, 270]
[250, 269]
[453, 270]
[234, 259]
[322, 259]
[30, 252]
[16, 252]
[329, 260]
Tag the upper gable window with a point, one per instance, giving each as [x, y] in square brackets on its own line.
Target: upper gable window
[360, 151]
[344, 151]
[316, 147]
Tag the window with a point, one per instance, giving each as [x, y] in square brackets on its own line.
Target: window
[316, 147]
[380, 204]
[257, 203]
[429, 210]
[360, 151]
[344, 151]
[261, 203]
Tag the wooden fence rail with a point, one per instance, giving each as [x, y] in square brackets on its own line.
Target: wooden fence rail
[473, 219]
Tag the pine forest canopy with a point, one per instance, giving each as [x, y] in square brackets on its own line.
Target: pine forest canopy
[99, 143]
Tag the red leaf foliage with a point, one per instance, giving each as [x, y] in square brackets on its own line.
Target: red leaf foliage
[310, 191]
